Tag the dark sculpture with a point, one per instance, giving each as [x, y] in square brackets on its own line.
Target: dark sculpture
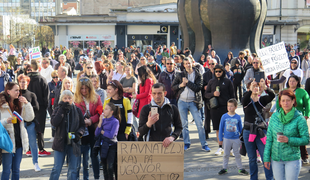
[229, 25]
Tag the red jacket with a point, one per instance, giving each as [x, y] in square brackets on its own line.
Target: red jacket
[93, 109]
[145, 95]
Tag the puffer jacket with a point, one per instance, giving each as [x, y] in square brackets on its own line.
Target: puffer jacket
[296, 131]
[27, 114]
[195, 86]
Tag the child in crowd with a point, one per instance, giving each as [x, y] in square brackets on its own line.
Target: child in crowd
[107, 133]
[229, 131]
[229, 73]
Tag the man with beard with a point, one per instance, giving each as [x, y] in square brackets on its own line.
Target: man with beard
[221, 88]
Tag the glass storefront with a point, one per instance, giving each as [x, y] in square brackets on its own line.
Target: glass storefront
[86, 44]
[146, 40]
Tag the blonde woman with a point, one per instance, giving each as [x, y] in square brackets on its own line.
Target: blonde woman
[119, 73]
[101, 92]
[88, 70]
[129, 82]
[67, 84]
[90, 103]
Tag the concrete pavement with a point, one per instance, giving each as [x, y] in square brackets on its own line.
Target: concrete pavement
[198, 164]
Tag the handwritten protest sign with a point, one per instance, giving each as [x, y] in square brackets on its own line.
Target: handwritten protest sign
[150, 160]
[274, 58]
[34, 53]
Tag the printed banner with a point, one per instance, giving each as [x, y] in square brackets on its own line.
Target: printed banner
[34, 53]
[150, 160]
[274, 58]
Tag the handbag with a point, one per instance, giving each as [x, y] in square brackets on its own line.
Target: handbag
[259, 121]
[214, 103]
[135, 107]
[5, 140]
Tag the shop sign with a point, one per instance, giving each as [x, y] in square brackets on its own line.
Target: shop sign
[75, 37]
[92, 37]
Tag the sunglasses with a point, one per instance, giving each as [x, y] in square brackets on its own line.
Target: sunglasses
[84, 80]
[106, 65]
[293, 62]
[255, 62]
[218, 71]
[112, 83]
[89, 67]
[55, 77]
[169, 63]
[142, 59]
[211, 64]
[109, 56]
[29, 70]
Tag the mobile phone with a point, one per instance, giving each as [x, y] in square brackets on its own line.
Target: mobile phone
[259, 75]
[154, 110]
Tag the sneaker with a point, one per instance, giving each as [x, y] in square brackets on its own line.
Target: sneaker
[28, 153]
[243, 172]
[206, 148]
[193, 121]
[51, 140]
[223, 171]
[36, 167]
[186, 147]
[232, 153]
[219, 152]
[44, 153]
[305, 161]
[259, 160]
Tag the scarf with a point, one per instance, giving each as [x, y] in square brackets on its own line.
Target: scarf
[286, 118]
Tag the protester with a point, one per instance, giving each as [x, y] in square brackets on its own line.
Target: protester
[4, 78]
[52, 87]
[69, 123]
[158, 127]
[106, 133]
[187, 86]
[90, 103]
[62, 62]
[12, 101]
[12, 56]
[282, 150]
[46, 69]
[62, 74]
[23, 81]
[153, 66]
[215, 56]
[129, 82]
[101, 92]
[229, 132]
[229, 58]
[39, 86]
[18, 68]
[238, 72]
[257, 67]
[254, 125]
[147, 79]
[305, 66]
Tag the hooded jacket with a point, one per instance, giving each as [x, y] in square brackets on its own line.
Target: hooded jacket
[168, 115]
[226, 87]
[195, 86]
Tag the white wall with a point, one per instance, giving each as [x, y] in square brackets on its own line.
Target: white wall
[91, 29]
[62, 36]
[136, 29]
[152, 17]
[288, 35]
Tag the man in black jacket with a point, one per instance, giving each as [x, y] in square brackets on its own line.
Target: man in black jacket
[39, 86]
[221, 88]
[159, 124]
[187, 86]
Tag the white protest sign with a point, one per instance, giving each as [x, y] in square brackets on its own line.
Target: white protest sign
[35, 53]
[274, 58]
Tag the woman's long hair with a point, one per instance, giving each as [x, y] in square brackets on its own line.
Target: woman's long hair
[92, 96]
[99, 67]
[144, 73]
[15, 105]
[116, 111]
[63, 84]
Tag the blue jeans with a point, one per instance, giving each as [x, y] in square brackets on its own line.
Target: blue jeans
[59, 158]
[251, 150]
[11, 161]
[85, 153]
[184, 107]
[32, 136]
[286, 170]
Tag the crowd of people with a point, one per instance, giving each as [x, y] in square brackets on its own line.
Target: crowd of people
[127, 95]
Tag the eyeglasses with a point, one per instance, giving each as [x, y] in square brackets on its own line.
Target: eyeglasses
[84, 80]
[218, 71]
[293, 62]
[169, 63]
[89, 67]
[255, 62]
[211, 63]
[55, 77]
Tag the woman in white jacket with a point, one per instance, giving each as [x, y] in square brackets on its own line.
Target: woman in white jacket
[10, 101]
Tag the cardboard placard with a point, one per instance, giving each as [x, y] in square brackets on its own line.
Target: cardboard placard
[150, 160]
[274, 58]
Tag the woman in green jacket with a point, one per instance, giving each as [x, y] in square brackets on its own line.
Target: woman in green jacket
[303, 105]
[287, 131]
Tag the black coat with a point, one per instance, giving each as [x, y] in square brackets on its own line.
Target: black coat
[39, 87]
[195, 86]
[61, 134]
[52, 87]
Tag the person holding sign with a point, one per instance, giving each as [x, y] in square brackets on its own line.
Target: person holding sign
[11, 101]
[294, 70]
[250, 73]
[157, 118]
[287, 131]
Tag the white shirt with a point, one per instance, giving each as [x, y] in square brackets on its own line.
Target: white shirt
[46, 73]
[287, 73]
